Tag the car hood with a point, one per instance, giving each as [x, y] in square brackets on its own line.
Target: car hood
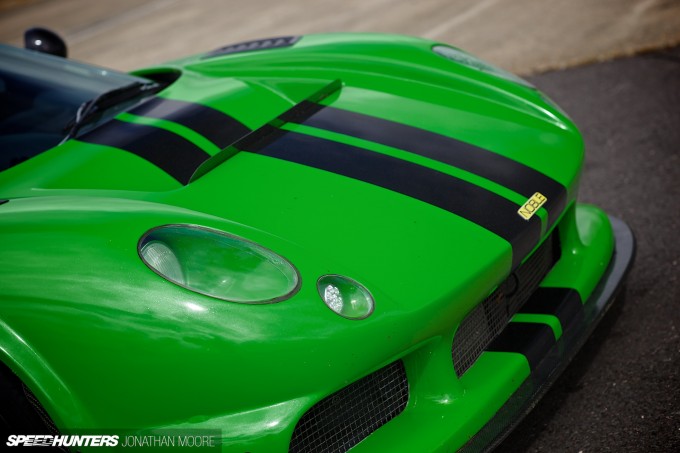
[379, 157]
[368, 156]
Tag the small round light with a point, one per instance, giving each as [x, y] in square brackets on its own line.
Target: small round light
[346, 297]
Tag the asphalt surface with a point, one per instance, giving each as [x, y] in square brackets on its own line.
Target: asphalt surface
[622, 392]
[522, 36]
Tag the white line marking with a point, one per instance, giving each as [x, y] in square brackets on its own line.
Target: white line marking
[460, 18]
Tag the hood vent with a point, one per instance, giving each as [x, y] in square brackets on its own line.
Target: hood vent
[259, 44]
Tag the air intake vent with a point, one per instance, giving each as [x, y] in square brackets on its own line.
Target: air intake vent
[259, 44]
[343, 419]
[489, 318]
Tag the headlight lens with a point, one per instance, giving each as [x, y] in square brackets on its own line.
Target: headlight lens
[346, 297]
[218, 264]
[457, 55]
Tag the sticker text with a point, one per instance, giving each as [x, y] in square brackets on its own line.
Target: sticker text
[532, 205]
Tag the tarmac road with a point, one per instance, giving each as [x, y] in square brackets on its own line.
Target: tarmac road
[520, 35]
[622, 392]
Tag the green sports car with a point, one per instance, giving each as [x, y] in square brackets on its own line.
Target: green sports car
[325, 243]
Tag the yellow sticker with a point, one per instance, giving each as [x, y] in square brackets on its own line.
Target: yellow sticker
[532, 205]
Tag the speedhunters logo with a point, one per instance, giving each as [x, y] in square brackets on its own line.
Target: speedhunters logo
[174, 439]
[39, 440]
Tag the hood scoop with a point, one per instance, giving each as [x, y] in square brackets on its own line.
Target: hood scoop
[271, 130]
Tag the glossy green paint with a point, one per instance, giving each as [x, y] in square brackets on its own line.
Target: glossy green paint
[106, 343]
[550, 320]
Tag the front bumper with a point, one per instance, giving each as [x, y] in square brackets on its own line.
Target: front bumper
[561, 353]
[444, 413]
[478, 410]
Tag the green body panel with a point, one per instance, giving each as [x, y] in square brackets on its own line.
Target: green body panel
[550, 320]
[104, 342]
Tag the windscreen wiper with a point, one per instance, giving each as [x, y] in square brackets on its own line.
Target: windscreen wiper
[92, 109]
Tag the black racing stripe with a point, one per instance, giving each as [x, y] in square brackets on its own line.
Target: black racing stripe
[170, 152]
[531, 339]
[564, 303]
[216, 126]
[487, 164]
[460, 197]
[265, 134]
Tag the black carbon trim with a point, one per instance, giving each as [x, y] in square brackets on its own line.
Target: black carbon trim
[216, 126]
[487, 164]
[258, 44]
[563, 303]
[457, 196]
[170, 152]
[531, 339]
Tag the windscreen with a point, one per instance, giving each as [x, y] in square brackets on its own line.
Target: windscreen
[39, 97]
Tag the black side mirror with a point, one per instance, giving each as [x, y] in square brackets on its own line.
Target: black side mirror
[44, 40]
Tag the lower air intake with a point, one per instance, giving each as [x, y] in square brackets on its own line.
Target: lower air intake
[343, 419]
[489, 318]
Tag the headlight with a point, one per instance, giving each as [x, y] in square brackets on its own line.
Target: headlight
[457, 55]
[218, 264]
[345, 296]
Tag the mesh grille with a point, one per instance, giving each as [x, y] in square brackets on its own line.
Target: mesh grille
[488, 319]
[40, 411]
[345, 418]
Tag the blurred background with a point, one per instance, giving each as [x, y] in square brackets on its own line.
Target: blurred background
[614, 67]
[524, 36]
